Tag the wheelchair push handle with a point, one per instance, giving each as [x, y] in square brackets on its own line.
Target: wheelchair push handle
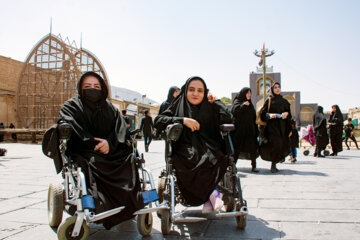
[226, 128]
[64, 130]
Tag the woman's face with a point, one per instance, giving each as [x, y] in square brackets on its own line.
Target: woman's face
[277, 89]
[195, 93]
[91, 82]
[248, 95]
[176, 92]
[333, 109]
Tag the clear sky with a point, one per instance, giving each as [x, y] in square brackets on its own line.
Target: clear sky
[150, 45]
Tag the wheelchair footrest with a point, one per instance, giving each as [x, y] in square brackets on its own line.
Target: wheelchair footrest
[231, 214]
[150, 210]
[150, 196]
[189, 219]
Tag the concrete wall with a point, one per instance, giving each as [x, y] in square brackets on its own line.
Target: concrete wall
[9, 74]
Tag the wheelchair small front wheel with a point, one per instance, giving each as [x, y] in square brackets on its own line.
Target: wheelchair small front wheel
[306, 152]
[65, 230]
[165, 222]
[326, 152]
[55, 204]
[144, 223]
[242, 219]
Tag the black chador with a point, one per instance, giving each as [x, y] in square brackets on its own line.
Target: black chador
[246, 130]
[336, 130]
[112, 178]
[277, 130]
[321, 135]
[199, 157]
[169, 99]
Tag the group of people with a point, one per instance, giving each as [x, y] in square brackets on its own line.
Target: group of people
[334, 127]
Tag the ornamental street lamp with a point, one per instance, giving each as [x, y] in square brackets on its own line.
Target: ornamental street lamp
[264, 52]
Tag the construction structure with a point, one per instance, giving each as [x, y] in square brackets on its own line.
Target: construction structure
[49, 77]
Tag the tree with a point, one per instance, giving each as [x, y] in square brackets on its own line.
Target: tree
[225, 100]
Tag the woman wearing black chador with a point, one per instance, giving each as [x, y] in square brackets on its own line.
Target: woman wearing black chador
[199, 156]
[277, 129]
[321, 136]
[246, 130]
[336, 123]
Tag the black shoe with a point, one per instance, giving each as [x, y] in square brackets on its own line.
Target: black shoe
[255, 170]
[146, 149]
[320, 156]
[332, 154]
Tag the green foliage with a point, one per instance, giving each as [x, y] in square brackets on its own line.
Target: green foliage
[225, 100]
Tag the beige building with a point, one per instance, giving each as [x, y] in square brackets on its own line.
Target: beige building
[354, 113]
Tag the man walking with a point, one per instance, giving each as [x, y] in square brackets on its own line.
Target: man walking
[147, 127]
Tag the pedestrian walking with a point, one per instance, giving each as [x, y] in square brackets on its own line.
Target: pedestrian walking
[349, 133]
[336, 129]
[276, 113]
[294, 142]
[321, 135]
[147, 128]
[246, 130]
[126, 118]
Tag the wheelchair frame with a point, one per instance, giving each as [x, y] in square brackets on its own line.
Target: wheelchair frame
[73, 192]
[230, 186]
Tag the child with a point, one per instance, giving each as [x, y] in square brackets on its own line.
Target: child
[294, 142]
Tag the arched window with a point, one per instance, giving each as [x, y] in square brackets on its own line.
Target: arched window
[306, 114]
[260, 85]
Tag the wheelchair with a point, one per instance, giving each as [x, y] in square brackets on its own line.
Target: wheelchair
[229, 186]
[72, 196]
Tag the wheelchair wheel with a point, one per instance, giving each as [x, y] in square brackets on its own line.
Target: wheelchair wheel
[229, 202]
[65, 230]
[241, 220]
[326, 152]
[306, 152]
[165, 222]
[55, 204]
[160, 190]
[144, 223]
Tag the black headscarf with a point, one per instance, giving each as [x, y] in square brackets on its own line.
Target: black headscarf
[337, 115]
[318, 117]
[169, 99]
[272, 88]
[100, 119]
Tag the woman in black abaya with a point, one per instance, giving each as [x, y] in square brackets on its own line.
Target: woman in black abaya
[246, 130]
[277, 129]
[321, 135]
[98, 144]
[199, 156]
[336, 123]
[173, 92]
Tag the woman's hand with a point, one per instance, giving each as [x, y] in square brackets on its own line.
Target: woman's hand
[284, 115]
[192, 124]
[211, 98]
[102, 146]
[272, 115]
[247, 103]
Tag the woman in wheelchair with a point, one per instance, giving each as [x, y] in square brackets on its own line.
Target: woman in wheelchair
[98, 145]
[199, 156]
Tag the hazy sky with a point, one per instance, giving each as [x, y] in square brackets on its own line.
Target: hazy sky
[151, 45]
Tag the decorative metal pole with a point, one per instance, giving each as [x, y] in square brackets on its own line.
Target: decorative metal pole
[264, 53]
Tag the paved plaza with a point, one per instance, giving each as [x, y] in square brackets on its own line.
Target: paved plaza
[312, 199]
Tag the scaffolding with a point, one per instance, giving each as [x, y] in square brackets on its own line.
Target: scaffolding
[49, 78]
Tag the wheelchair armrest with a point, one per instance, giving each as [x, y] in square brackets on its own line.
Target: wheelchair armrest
[227, 127]
[173, 131]
[64, 130]
[136, 131]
